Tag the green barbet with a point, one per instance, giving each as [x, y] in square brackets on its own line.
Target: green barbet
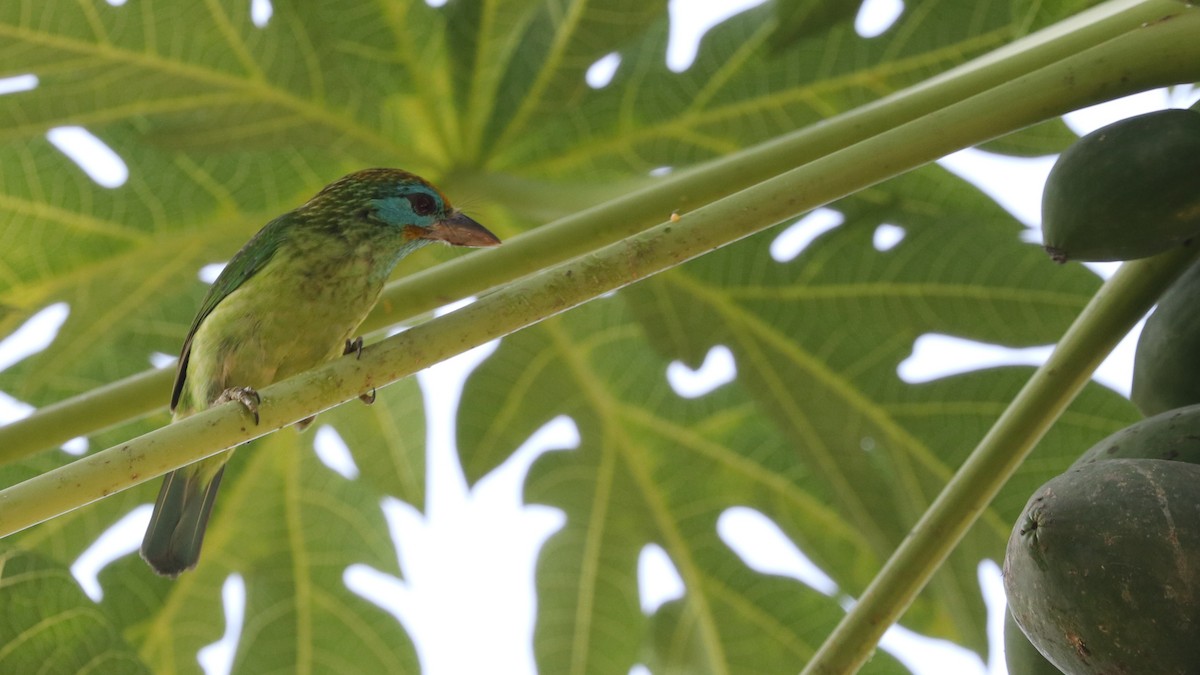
[288, 301]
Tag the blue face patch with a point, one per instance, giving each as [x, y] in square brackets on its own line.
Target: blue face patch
[416, 205]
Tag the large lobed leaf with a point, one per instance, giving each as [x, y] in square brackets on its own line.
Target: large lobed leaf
[818, 432]
[224, 124]
[50, 626]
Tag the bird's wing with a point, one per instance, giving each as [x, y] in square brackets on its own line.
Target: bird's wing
[245, 263]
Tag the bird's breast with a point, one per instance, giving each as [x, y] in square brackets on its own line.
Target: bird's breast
[292, 315]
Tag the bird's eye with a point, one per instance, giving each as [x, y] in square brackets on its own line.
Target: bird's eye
[364, 214]
[422, 204]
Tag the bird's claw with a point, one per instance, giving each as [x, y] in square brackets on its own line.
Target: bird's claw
[248, 397]
[355, 347]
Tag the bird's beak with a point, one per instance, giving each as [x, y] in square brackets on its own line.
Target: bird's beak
[460, 230]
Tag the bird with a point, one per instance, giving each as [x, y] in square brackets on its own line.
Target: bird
[288, 301]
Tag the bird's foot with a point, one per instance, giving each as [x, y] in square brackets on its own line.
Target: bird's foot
[355, 347]
[248, 397]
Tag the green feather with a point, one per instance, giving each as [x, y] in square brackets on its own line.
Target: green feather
[245, 263]
[176, 530]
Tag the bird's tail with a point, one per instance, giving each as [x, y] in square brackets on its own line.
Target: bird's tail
[176, 530]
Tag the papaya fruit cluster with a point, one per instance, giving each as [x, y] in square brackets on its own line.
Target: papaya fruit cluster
[1102, 570]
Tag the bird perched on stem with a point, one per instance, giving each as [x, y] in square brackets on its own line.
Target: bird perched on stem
[289, 300]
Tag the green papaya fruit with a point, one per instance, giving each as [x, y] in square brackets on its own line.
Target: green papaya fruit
[1128, 190]
[1166, 363]
[1102, 570]
[1020, 656]
[1173, 435]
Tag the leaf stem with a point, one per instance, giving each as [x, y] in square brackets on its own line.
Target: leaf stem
[1158, 57]
[600, 225]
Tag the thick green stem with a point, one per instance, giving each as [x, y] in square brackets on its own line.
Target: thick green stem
[87, 413]
[1121, 302]
[1089, 76]
[590, 229]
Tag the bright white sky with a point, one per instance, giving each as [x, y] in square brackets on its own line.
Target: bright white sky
[468, 559]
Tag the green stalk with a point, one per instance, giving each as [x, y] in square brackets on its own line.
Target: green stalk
[1121, 302]
[87, 413]
[1127, 64]
[598, 226]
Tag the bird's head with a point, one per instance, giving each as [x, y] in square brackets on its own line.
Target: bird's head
[397, 199]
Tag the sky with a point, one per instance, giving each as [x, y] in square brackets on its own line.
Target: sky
[468, 558]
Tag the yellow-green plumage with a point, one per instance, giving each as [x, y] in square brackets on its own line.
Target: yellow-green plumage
[288, 301]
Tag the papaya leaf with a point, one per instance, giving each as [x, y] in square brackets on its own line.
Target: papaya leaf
[51, 625]
[759, 613]
[797, 19]
[819, 432]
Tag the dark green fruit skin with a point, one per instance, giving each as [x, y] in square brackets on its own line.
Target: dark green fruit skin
[1128, 190]
[1020, 656]
[1166, 365]
[1102, 570]
[1173, 435]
